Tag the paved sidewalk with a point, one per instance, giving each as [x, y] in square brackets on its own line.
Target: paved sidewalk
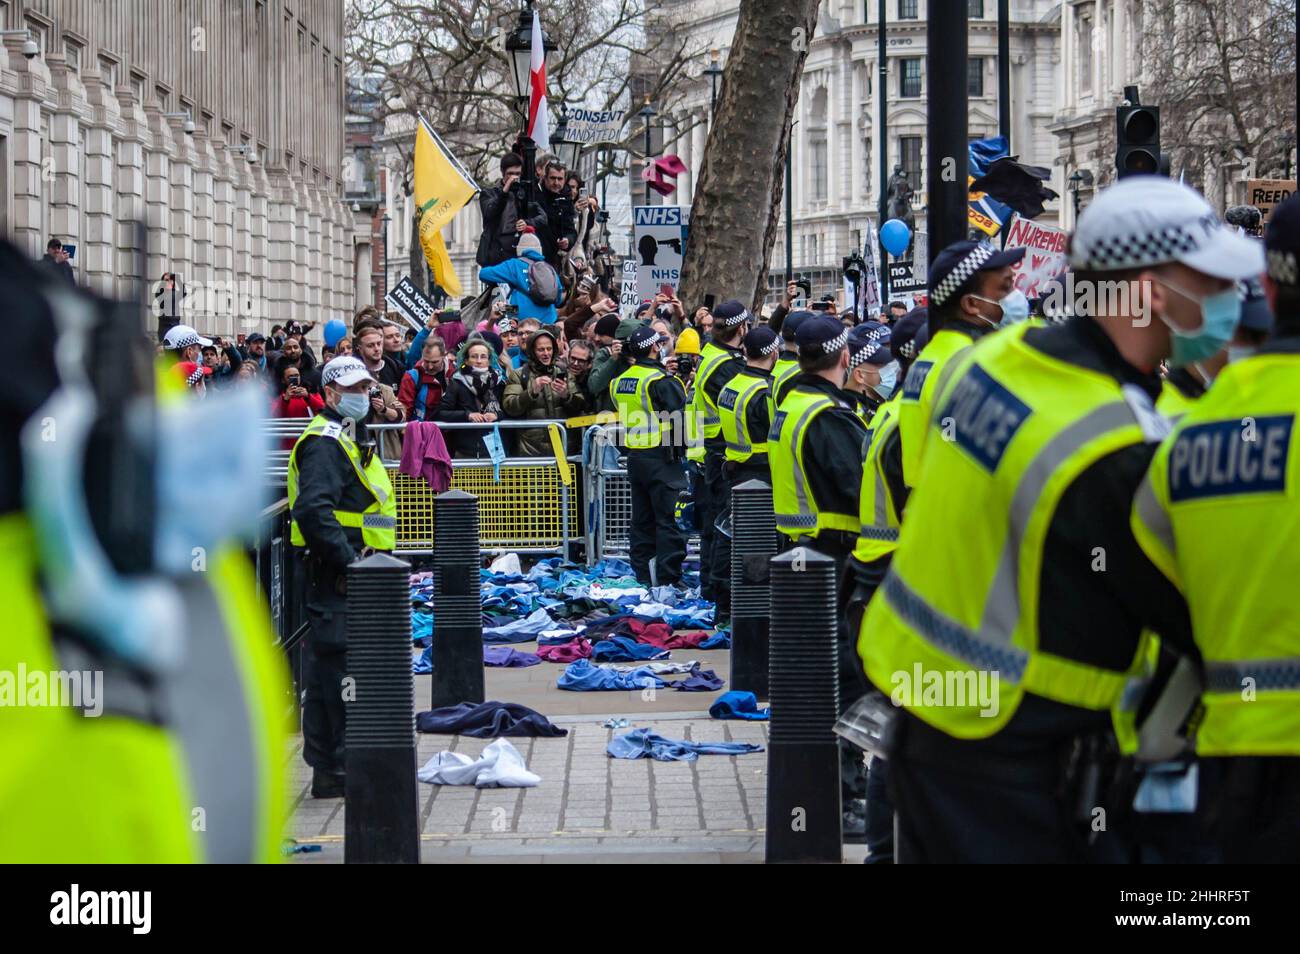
[588, 806]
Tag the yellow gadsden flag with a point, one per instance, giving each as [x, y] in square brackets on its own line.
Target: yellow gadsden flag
[442, 187]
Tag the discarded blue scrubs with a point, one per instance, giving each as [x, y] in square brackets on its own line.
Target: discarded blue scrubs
[625, 649]
[719, 640]
[487, 720]
[738, 705]
[642, 743]
[508, 657]
[700, 680]
[582, 676]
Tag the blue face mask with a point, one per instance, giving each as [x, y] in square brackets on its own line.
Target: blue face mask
[888, 380]
[1219, 315]
[355, 406]
[1014, 306]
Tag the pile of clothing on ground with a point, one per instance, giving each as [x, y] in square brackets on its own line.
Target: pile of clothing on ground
[598, 615]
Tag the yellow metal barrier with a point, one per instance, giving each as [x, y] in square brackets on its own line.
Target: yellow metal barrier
[525, 510]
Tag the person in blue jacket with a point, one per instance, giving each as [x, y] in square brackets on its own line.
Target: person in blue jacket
[515, 274]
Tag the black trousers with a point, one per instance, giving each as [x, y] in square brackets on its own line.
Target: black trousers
[324, 662]
[704, 517]
[958, 802]
[323, 711]
[1248, 804]
[718, 566]
[656, 479]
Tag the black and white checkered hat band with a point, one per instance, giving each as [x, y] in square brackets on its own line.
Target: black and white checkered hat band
[869, 347]
[645, 344]
[185, 341]
[907, 349]
[734, 320]
[771, 346]
[1282, 267]
[963, 270]
[195, 377]
[1119, 252]
[836, 343]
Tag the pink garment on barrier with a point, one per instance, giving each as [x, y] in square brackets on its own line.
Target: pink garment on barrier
[424, 454]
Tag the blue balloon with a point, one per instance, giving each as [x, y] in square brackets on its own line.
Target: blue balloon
[334, 332]
[895, 236]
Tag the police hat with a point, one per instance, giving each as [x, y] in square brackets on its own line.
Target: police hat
[731, 314]
[821, 334]
[869, 344]
[955, 268]
[761, 341]
[909, 334]
[643, 339]
[790, 327]
[1255, 313]
[1282, 243]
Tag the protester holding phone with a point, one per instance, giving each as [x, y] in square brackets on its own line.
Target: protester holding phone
[294, 400]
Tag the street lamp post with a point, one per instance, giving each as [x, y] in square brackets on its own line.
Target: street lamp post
[647, 113]
[519, 46]
[713, 71]
[569, 150]
[1080, 179]
[384, 236]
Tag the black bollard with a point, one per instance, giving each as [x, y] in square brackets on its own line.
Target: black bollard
[753, 544]
[457, 607]
[382, 808]
[803, 761]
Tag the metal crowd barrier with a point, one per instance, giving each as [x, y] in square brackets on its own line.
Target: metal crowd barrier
[609, 496]
[530, 509]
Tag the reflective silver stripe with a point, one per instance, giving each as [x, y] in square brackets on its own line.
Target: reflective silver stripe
[801, 521]
[377, 521]
[952, 637]
[1153, 516]
[1267, 674]
[208, 702]
[889, 534]
[800, 481]
[1002, 607]
[739, 448]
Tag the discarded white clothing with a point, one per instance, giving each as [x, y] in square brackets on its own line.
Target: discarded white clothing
[500, 766]
[508, 564]
[658, 668]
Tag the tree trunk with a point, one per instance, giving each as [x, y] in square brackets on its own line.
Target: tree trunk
[738, 201]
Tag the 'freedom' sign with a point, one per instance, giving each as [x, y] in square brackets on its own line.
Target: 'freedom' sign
[1045, 254]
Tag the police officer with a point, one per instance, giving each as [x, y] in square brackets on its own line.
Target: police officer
[815, 452]
[342, 505]
[873, 372]
[742, 404]
[650, 402]
[721, 359]
[1013, 609]
[1217, 513]
[1184, 385]
[972, 292]
[787, 364]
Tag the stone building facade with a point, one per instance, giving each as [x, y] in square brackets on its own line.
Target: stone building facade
[218, 123]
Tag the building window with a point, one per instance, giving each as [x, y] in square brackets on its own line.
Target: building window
[907, 9]
[975, 9]
[975, 76]
[909, 77]
[810, 253]
[866, 162]
[817, 150]
[72, 56]
[108, 70]
[909, 157]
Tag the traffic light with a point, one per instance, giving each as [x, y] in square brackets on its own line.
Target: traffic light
[1137, 137]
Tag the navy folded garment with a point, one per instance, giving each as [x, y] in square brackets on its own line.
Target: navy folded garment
[699, 680]
[738, 705]
[508, 657]
[625, 649]
[642, 743]
[487, 720]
